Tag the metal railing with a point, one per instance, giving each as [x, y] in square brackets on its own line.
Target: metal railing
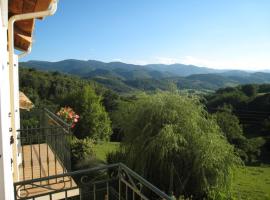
[49, 119]
[44, 148]
[44, 152]
[109, 182]
[43, 117]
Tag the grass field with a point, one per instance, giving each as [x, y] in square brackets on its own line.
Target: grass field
[252, 183]
[102, 149]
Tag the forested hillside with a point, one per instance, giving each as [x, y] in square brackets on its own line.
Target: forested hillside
[199, 140]
[122, 77]
[251, 105]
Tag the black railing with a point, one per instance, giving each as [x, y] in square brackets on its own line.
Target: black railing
[44, 148]
[45, 169]
[116, 182]
[50, 119]
[44, 152]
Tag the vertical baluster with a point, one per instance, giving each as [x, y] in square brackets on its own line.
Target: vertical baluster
[47, 148]
[133, 195]
[94, 191]
[119, 189]
[15, 192]
[126, 192]
[39, 156]
[23, 161]
[141, 191]
[108, 190]
[62, 149]
[31, 155]
[54, 139]
[27, 142]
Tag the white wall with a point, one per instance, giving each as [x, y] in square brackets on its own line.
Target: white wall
[17, 112]
[4, 11]
[6, 179]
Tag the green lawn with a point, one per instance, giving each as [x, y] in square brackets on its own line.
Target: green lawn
[252, 183]
[102, 149]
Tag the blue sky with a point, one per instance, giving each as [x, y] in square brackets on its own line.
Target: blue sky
[212, 33]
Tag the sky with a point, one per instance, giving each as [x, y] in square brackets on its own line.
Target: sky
[222, 34]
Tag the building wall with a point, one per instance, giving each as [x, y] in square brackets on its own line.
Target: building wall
[17, 160]
[6, 180]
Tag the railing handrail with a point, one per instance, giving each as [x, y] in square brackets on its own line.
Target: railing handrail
[144, 181]
[38, 128]
[74, 173]
[56, 117]
[104, 167]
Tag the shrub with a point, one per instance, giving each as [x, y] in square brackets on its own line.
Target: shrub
[81, 149]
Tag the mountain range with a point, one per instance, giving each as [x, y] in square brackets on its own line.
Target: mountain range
[124, 77]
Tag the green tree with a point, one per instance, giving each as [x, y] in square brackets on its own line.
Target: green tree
[250, 89]
[94, 121]
[230, 126]
[248, 149]
[233, 131]
[171, 141]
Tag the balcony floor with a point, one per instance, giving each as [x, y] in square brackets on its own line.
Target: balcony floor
[40, 161]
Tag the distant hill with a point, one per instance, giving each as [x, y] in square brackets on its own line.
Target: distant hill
[125, 71]
[123, 77]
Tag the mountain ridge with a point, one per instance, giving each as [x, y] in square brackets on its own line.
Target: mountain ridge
[122, 76]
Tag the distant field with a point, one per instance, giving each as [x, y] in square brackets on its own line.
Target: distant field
[252, 183]
[103, 149]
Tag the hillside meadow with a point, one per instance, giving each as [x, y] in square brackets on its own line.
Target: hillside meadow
[249, 182]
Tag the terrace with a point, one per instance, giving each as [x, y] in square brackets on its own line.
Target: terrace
[45, 169]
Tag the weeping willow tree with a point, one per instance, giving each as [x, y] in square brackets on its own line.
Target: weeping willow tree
[171, 141]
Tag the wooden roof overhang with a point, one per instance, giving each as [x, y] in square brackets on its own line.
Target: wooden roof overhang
[23, 30]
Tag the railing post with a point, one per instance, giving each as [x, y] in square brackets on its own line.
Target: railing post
[94, 191]
[119, 183]
[15, 192]
[108, 191]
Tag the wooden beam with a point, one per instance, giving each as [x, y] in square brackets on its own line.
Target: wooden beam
[25, 25]
[29, 6]
[42, 5]
[26, 6]
[23, 30]
[22, 42]
[15, 6]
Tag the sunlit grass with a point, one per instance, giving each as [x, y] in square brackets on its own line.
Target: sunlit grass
[102, 149]
[252, 183]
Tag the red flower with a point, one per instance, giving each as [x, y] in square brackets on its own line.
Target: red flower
[67, 114]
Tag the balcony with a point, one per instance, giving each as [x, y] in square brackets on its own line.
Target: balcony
[45, 169]
[44, 152]
[114, 181]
